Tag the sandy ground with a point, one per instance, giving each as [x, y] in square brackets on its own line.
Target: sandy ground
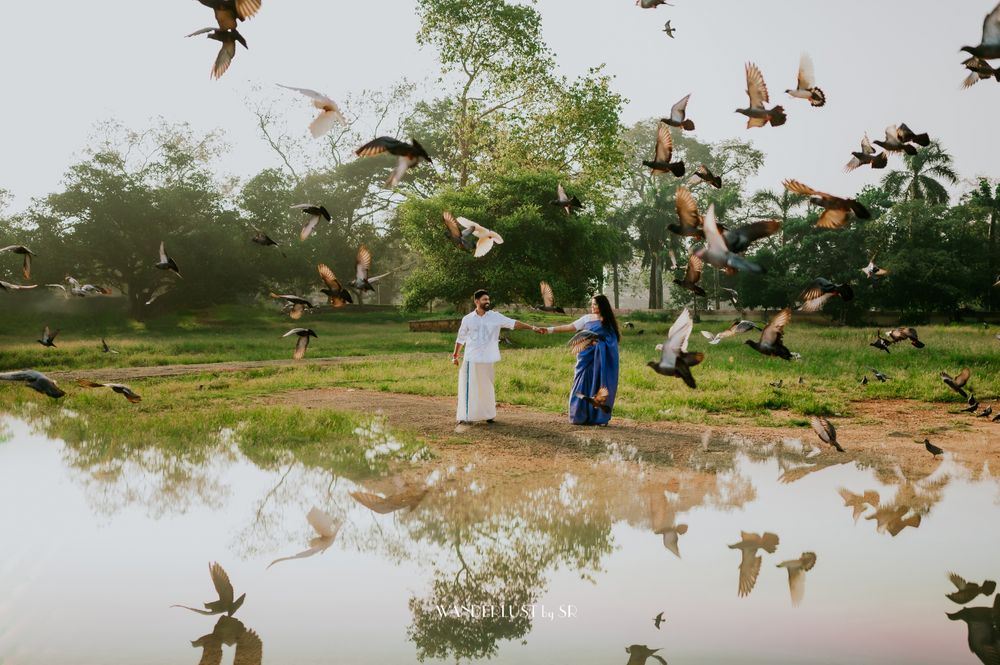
[879, 432]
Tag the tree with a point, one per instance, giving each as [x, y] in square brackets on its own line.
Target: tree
[496, 52]
[923, 176]
[986, 198]
[540, 243]
[649, 200]
[134, 190]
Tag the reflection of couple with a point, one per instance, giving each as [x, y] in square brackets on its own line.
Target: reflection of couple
[596, 366]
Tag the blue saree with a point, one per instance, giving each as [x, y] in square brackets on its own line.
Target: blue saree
[596, 368]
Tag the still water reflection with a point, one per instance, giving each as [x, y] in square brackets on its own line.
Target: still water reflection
[726, 551]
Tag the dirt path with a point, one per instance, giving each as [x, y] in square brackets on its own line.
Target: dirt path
[526, 436]
[879, 429]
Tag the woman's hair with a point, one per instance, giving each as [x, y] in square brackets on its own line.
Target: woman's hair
[607, 314]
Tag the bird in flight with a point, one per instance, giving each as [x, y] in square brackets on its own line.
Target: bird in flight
[669, 30]
[329, 112]
[675, 359]
[771, 339]
[757, 113]
[24, 251]
[806, 88]
[119, 388]
[335, 291]
[34, 380]
[303, 342]
[409, 155]
[313, 213]
[836, 211]
[664, 151]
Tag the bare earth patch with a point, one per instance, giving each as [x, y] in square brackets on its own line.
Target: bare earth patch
[879, 431]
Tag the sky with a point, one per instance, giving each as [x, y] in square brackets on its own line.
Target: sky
[880, 62]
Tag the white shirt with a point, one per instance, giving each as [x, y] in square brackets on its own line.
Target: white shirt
[481, 336]
[582, 322]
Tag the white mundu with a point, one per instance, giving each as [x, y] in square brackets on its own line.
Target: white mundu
[480, 336]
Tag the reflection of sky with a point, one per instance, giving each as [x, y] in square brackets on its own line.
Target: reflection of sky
[82, 588]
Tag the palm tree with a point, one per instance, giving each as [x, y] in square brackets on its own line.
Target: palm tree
[922, 178]
[987, 197]
[774, 205]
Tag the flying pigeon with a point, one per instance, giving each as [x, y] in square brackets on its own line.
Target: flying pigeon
[989, 45]
[692, 275]
[329, 112]
[806, 86]
[227, 51]
[567, 203]
[678, 114]
[771, 339]
[816, 296]
[335, 291]
[826, 432]
[34, 380]
[314, 213]
[757, 113]
[867, 156]
[664, 151]
[836, 210]
[485, 237]
[27, 253]
[675, 359]
[716, 252]
[167, 263]
[703, 174]
[224, 588]
[297, 304]
[303, 342]
[119, 388]
[409, 155]
[738, 326]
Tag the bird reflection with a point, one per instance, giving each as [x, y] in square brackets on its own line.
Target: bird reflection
[859, 503]
[408, 497]
[750, 563]
[892, 519]
[969, 591]
[225, 603]
[662, 517]
[797, 569]
[326, 528]
[230, 632]
[638, 654]
[984, 634]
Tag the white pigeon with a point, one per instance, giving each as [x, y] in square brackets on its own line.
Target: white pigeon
[485, 236]
[329, 112]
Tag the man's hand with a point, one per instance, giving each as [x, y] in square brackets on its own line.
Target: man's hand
[454, 359]
[540, 331]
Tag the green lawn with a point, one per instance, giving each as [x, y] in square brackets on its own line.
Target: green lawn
[733, 382]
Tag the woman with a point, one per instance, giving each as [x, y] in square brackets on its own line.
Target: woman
[597, 365]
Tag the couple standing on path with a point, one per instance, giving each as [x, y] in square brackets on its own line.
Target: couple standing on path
[596, 366]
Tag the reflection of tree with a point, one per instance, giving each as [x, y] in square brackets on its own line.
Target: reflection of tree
[501, 548]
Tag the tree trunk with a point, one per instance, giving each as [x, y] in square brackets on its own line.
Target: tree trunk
[614, 281]
[991, 262]
[653, 261]
[659, 282]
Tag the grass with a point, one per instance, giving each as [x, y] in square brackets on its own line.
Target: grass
[733, 382]
[190, 417]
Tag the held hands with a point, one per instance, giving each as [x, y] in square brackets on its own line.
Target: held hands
[454, 359]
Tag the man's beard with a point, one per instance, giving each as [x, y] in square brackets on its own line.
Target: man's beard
[486, 306]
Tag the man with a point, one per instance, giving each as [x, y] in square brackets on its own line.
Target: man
[480, 335]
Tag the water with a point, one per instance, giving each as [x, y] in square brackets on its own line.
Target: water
[95, 550]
